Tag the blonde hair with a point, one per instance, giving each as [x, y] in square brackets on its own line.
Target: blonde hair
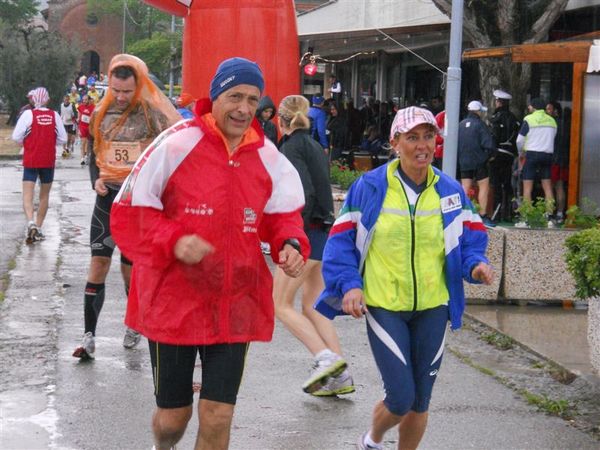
[293, 111]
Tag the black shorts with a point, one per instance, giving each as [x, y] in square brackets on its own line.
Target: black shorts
[537, 164]
[46, 175]
[101, 241]
[480, 173]
[70, 129]
[173, 371]
[317, 238]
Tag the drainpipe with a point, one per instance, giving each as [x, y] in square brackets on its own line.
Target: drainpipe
[453, 90]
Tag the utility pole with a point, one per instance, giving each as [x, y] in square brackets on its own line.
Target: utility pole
[453, 90]
[172, 62]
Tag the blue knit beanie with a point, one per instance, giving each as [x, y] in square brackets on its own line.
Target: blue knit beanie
[233, 72]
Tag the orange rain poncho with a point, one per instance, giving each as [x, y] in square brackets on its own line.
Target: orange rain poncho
[121, 136]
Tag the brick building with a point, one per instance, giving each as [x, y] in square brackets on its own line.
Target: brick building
[99, 37]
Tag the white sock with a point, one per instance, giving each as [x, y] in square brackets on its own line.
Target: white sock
[370, 442]
[324, 353]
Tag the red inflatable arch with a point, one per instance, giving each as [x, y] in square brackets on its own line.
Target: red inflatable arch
[260, 30]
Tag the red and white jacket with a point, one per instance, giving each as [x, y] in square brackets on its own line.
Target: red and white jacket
[187, 183]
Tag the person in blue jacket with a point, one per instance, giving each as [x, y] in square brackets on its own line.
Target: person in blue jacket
[405, 239]
[318, 121]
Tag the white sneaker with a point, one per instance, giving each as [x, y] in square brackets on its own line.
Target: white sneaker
[361, 445]
[340, 385]
[88, 347]
[32, 232]
[131, 338]
[330, 365]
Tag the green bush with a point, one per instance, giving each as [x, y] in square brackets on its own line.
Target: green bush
[584, 217]
[583, 261]
[343, 175]
[535, 215]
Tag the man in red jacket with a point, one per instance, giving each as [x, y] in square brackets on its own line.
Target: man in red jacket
[40, 130]
[191, 216]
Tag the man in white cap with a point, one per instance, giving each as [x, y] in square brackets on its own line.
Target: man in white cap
[40, 130]
[505, 128]
[200, 285]
[475, 147]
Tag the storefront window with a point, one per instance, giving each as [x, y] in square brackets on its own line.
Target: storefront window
[367, 81]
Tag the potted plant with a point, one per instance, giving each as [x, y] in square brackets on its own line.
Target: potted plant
[583, 262]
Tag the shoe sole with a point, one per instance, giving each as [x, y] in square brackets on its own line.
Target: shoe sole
[130, 345]
[341, 391]
[316, 383]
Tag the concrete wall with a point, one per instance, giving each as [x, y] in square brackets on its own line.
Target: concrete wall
[594, 332]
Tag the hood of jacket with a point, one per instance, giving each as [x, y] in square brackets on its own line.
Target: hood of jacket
[265, 103]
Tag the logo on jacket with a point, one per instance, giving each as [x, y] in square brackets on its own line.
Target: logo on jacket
[202, 210]
[249, 216]
[451, 203]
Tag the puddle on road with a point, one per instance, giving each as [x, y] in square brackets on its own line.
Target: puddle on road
[557, 333]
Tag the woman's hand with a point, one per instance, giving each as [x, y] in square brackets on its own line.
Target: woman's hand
[483, 272]
[353, 303]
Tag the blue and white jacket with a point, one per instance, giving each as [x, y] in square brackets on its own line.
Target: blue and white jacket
[465, 239]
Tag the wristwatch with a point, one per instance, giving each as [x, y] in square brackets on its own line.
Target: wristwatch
[294, 243]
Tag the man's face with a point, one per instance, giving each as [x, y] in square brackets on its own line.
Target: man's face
[66, 100]
[234, 109]
[123, 91]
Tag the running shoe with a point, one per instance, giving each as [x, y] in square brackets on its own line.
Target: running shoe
[40, 236]
[131, 338]
[31, 235]
[360, 445]
[87, 349]
[82, 162]
[340, 385]
[323, 369]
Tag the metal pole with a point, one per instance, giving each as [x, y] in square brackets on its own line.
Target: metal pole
[453, 90]
[124, 13]
[172, 63]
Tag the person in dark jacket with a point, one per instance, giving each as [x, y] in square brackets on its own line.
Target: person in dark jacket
[265, 112]
[559, 171]
[329, 376]
[475, 147]
[337, 129]
[505, 128]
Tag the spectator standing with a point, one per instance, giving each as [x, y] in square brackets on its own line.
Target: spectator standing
[93, 94]
[475, 147]
[74, 96]
[335, 91]
[505, 128]
[265, 113]
[406, 277]
[40, 130]
[559, 172]
[535, 143]
[337, 129]
[318, 120]
[200, 283]
[355, 124]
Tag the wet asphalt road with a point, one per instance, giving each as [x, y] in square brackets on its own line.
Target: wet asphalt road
[48, 399]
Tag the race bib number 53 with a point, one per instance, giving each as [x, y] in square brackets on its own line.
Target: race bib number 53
[123, 153]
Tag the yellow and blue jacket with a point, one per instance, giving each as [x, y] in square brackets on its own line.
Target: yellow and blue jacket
[352, 246]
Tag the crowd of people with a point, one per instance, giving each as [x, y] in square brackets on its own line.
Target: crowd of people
[195, 278]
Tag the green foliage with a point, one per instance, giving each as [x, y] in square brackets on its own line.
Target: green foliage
[343, 175]
[498, 340]
[584, 217]
[535, 215]
[31, 57]
[583, 261]
[17, 12]
[156, 53]
[561, 408]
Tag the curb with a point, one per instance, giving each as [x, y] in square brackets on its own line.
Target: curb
[525, 347]
[10, 157]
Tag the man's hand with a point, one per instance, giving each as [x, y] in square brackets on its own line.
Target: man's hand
[483, 272]
[100, 187]
[353, 303]
[291, 261]
[190, 249]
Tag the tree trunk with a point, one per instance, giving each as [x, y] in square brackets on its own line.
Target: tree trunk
[502, 74]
